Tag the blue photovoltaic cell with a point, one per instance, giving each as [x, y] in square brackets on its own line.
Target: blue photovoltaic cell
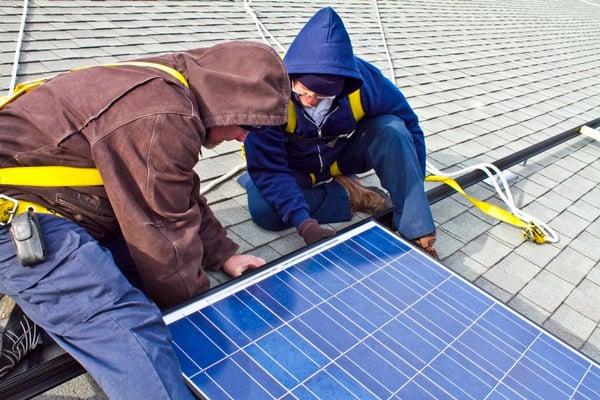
[370, 318]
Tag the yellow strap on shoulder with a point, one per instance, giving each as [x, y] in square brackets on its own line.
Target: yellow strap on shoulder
[290, 126]
[530, 230]
[356, 105]
[26, 87]
[21, 89]
[171, 71]
[59, 176]
[50, 176]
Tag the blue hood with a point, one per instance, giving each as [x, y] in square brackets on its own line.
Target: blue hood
[323, 47]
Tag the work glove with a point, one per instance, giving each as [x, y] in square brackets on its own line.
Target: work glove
[312, 232]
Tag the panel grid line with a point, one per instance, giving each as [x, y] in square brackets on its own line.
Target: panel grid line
[275, 361]
[360, 342]
[368, 315]
[512, 367]
[443, 351]
[251, 377]
[597, 393]
[581, 382]
[433, 383]
[543, 378]
[592, 390]
[532, 393]
[253, 342]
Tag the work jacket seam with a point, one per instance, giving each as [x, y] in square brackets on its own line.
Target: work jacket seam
[103, 136]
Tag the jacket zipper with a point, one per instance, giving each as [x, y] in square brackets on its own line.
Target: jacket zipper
[319, 133]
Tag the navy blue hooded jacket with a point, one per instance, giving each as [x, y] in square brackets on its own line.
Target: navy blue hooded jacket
[277, 161]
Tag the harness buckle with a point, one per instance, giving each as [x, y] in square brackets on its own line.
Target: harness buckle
[8, 209]
[534, 233]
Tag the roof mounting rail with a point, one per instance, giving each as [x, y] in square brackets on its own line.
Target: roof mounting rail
[440, 192]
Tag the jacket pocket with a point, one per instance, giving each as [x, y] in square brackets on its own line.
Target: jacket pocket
[85, 205]
[16, 278]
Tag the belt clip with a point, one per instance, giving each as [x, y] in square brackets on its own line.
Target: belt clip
[8, 209]
[534, 233]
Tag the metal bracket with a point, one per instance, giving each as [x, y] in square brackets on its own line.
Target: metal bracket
[8, 207]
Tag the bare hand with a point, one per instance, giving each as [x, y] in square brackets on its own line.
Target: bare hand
[238, 263]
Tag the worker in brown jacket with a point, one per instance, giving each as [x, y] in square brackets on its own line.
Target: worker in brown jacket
[142, 128]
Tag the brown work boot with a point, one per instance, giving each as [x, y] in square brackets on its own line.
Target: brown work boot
[426, 244]
[369, 200]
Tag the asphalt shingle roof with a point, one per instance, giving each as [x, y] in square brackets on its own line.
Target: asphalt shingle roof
[486, 79]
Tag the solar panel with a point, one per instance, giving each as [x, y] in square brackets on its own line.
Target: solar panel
[366, 316]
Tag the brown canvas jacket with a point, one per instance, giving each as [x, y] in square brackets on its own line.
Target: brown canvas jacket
[143, 130]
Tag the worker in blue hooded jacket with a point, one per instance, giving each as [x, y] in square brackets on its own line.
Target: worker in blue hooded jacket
[344, 118]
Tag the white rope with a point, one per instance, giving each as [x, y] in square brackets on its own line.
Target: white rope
[591, 4]
[13, 78]
[222, 178]
[504, 193]
[261, 30]
[385, 47]
[259, 25]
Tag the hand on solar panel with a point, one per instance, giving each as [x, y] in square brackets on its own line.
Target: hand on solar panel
[237, 264]
[312, 232]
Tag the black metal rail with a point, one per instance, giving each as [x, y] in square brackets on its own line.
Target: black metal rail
[441, 192]
[40, 378]
[51, 373]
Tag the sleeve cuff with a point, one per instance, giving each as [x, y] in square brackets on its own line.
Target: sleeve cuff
[299, 217]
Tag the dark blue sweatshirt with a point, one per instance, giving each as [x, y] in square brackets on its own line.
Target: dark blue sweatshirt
[277, 161]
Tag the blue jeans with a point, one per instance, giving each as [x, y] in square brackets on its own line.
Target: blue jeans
[383, 144]
[81, 299]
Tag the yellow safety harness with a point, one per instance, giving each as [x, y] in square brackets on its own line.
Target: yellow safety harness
[355, 105]
[530, 230]
[292, 123]
[54, 176]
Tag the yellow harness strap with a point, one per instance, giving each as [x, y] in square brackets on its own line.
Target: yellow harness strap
[50, 176]
[530, 230]
[334, 169]
[21, 89]
[26, 87]
[290, 126]
[355, 105]
[10, 207]
[171, 71]
[357, 112]
[54, 176]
